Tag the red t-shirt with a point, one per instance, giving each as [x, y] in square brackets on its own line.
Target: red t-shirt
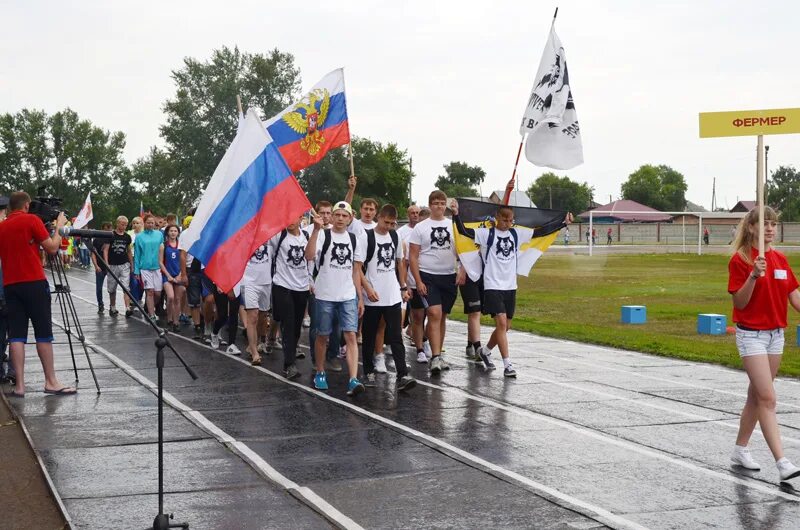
[20, 235]
[768, 305]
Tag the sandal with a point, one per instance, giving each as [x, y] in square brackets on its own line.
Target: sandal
[256, 361]
[63, 391]
[15, 394]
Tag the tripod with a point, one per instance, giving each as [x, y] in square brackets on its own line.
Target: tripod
[162, 520]
[69, 315]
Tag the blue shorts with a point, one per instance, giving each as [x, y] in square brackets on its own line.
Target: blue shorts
[346, 312]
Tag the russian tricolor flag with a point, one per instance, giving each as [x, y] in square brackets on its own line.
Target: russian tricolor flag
[306, 130]
[251, 197]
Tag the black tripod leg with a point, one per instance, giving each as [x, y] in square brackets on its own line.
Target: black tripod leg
[60, 290]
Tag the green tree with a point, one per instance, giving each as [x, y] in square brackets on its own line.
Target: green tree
[560, 193]
[201, 119]
[659, 187]
[69, 156]
[384, 173]
[460, 179]
[783, 192]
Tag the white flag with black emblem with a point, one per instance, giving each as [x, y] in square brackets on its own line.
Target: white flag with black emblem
[550, 120]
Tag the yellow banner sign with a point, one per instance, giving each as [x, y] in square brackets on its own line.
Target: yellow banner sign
[749, 122]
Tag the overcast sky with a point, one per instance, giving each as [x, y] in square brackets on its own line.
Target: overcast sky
[444, 80]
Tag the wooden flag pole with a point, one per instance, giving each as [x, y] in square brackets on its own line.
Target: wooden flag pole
[760, 193]
[507, 196]
[350, 152]
[239, 105]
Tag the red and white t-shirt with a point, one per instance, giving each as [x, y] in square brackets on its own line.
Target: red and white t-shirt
[20, 235]
[768, 305]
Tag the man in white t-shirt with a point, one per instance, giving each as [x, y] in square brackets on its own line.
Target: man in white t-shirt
[335, 287]
[413, 310]
[433, 264]
[255, 296]
[290, 284]
[369, 208]
[499, 247]
[384, 283]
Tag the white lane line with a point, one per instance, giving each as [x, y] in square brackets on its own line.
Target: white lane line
[302, 493]
[601, 512]
[562, 499]
[596, 366]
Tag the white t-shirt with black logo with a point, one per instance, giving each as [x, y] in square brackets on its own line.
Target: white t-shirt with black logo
[381, 269]
[500, 261]
[358, 226]
[291, 267]
[437, 253]
[258, 269]
[334, 281]
[404, 232]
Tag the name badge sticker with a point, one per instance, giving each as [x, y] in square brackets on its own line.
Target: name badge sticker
[780, 274]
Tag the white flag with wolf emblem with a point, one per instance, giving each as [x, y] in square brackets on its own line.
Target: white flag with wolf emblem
[550, 120]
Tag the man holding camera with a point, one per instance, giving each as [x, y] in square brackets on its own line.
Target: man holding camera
[27, 291]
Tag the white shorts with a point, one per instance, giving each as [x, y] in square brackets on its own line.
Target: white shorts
[256, 296]
[764, 342]
[152, 279]
[123, 272]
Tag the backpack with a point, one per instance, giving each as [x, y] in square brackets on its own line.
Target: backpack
[490, 242]
[283, 235]
[326, 244]
[371, 249]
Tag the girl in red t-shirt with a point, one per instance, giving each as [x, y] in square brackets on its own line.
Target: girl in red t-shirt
[761, 288]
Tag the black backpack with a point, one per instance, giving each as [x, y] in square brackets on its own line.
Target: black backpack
[326, 244]
[284, 233]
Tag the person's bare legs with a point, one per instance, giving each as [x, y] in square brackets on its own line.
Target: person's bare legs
[151, 307]
[379, 336]
[500, 335]
[442, 331]
[749, 417]
[474, 327]
[45, 351]
[434, 328]
[252, 333]
[170, 292]
[352, 353]
[759, 370]
[320, 345]
[417, 329]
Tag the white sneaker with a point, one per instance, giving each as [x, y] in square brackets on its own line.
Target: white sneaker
[215, 340]
[426, 347]
[307, 322]
[742, 457]
[380, 364]
[262, 348]
[787, 470]
[233, 350]
[422, 358]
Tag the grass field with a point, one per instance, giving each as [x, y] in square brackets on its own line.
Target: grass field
[579, 297]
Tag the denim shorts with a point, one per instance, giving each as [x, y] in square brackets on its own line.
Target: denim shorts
[346, 312]
[769, 341]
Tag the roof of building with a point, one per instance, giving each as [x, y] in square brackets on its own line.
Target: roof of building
[518, 198]
[744, 206]
[640, 212]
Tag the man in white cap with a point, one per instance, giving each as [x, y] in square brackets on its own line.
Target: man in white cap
[334, 252]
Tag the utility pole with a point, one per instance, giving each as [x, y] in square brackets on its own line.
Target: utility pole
[714, 195]
[550, 189]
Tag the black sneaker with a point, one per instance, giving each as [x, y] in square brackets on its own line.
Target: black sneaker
[509, 371]
[291, 372]
[128, 313]
[113, 312]
[100, 310]
[406, 383]
[368, 380]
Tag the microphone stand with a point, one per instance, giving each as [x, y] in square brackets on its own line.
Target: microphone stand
[162, 520]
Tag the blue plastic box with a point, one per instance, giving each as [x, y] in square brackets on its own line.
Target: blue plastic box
[634, 314]
[711, 324]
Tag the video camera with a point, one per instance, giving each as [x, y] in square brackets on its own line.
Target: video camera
[46, 208]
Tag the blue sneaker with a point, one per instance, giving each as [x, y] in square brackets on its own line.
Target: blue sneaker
[354, 387]
[321, 381]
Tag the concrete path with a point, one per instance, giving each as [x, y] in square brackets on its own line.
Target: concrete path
[585, 437]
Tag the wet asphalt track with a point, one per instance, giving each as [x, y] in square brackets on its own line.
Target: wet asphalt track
[585, 437]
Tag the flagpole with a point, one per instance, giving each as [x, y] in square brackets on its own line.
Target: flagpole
[507, 196]
[239, 105]
[352, 167]
[760, 193]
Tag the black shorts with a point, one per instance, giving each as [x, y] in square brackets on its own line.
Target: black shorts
[29, 301]
[194, 290]
[416, 300]
[472, 295]
[498, 302]
[441, 290]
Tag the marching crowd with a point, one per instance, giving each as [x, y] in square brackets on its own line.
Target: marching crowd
[353, 279]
